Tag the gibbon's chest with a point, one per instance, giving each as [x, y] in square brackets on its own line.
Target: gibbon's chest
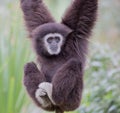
[51, 69]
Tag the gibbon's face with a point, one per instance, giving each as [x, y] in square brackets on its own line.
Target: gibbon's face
[48, 39]
[53, 43]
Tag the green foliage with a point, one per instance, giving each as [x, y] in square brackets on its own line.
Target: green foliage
[102, 84]
[13, 55]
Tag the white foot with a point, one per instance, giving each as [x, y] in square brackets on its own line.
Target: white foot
[39, 94]
[46, 89]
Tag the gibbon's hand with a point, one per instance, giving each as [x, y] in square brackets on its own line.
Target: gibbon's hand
[45, 89]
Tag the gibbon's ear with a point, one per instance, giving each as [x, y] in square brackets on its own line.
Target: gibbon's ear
[35, 14]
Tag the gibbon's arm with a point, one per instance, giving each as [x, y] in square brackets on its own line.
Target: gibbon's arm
[35, 13]
[81, 16]
[67, 82]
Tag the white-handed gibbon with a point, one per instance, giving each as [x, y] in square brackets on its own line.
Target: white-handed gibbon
[61, 49]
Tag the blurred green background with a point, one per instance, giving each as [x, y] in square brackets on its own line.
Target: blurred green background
[102, 75]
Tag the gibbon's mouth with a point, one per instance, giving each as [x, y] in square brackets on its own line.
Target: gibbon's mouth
[54, 50]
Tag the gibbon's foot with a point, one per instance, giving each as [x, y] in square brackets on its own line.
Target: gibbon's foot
[30, 68]
[40, 94]
[43, 94]
[45, 89]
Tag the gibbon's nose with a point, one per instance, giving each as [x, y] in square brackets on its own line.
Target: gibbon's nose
[54, 43]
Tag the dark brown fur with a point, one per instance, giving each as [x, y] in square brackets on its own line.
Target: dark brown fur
[64, 71]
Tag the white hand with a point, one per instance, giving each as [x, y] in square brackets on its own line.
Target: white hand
[39, 94]
[47, 90]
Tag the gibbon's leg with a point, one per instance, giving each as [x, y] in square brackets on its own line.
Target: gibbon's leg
[68, 85]
[35, 14]
[32, 78]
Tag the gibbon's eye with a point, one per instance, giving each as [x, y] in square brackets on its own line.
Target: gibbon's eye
[50, 39]
[57, 39]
